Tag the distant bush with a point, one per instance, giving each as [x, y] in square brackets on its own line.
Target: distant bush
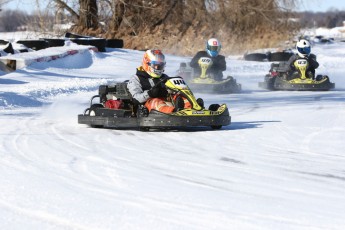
[329, 19]
[12, 20]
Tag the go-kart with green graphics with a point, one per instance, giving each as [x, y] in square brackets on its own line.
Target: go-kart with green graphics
[204, 83]
[116, 109]
[279, 78]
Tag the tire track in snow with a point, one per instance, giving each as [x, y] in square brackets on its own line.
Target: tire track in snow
[42, 216]
[16, 142]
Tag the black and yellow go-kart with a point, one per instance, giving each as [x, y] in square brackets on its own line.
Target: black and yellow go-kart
[280, 79]
[131, 116]
[206, 83]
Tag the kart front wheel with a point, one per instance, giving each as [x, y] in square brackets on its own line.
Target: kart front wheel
[214, 107]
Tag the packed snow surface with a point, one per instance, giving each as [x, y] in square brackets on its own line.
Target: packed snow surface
[279, 165]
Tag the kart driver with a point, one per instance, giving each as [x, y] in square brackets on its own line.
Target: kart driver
[213, 47]
[303, 51]
[145, 88]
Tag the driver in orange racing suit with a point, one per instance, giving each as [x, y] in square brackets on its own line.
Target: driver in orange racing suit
[145, 86]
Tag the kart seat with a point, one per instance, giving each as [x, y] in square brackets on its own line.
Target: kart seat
[281, 67]
[118, 91]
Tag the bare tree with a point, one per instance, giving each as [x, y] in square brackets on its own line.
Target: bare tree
[88, 14]
[86, 17]
[182, 26]
[62, 5]
[3, 2]
[17, 19]
[173, 23]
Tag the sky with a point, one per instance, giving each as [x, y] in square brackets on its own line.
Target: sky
[321, 5]
[278, 165]
[24, 5]
[304, 5]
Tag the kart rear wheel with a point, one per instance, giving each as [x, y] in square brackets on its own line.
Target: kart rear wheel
[92, 112]
[93, 108]
[214, 107]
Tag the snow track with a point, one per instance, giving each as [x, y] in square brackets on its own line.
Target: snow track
[279, 165]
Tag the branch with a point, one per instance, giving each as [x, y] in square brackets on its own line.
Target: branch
[66, 7]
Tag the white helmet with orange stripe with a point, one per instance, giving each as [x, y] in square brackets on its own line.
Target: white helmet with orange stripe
[154, 63]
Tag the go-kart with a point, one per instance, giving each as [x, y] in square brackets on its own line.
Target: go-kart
[127, 114]
[205, 83]
[280, 78]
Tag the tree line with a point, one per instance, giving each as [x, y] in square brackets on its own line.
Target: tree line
[178, 26]
[329, 19]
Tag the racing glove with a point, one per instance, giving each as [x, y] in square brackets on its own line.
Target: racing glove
[154, 92]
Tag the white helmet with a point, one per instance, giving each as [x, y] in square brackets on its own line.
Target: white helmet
[213, 47]
[154, 63]
[303, 48]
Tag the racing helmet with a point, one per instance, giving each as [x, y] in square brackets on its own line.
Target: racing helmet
[154, 63]
[303, 48]
[213, 47]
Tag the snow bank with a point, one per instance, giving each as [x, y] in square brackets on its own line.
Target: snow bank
[21, 60]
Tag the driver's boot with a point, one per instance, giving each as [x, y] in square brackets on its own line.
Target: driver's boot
[179, 104]
[310, 75]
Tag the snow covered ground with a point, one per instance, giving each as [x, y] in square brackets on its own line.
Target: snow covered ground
[279, 165]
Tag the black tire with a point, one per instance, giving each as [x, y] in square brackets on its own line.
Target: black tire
[214, 107]
[270, 81]
[318, 77]
[92, 112]
[255, 57]
[100, 43]
[97, 42]
[280, 56]
[34, 44]
[9, 49]
[93, 108]
[232, 81]
[54, 42]
[327, 79]
[3, 42]
[144, 129]
[325, 41]
[114, 43]
[71, 35]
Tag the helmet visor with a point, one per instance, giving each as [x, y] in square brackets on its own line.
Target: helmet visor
[213, 48]
[304, 50]
[157, 65]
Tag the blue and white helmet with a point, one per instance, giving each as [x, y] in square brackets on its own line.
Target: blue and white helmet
[213, 47]
[303, 48]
